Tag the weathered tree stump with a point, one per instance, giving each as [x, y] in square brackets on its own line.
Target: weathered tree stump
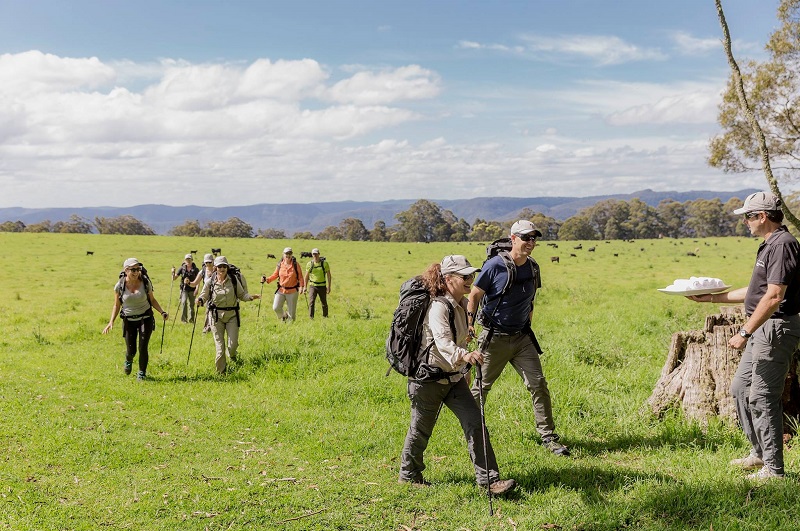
[700, 366]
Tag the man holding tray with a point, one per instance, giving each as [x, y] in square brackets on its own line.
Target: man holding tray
[769, 337]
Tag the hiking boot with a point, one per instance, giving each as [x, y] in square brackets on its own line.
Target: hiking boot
[751, 462]
[764, 473]
[502, 486]
[141, 376]
[128, 367]
[552, 444]
[418, 481]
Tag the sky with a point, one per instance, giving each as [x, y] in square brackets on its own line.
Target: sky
[226, 103]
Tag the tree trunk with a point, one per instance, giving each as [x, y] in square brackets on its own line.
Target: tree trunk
[699, 369]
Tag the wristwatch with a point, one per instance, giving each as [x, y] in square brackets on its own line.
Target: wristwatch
[744, 333]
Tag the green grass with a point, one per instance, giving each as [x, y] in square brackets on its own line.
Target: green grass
[305, 432]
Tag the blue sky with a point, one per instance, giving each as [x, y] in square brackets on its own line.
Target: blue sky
[232, 103]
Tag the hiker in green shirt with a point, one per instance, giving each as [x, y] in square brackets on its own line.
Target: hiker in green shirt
[318, 282]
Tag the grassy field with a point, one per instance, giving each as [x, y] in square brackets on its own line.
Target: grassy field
[306, 431]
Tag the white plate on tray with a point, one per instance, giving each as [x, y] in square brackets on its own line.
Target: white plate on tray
[688, 292]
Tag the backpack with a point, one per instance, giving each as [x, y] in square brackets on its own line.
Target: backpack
[502, 247]
[405, 336]
[296, 272]
[120, 288]
[321, 264]
[237, 279]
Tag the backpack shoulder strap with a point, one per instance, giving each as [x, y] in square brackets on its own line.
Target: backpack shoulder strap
[451, 314]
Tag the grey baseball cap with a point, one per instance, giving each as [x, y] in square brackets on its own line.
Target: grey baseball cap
[759, 202]
[456, 263]
[524, 226]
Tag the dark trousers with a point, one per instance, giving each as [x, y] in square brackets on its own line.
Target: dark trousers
[427, 399]
[140, 330]
[322, 291]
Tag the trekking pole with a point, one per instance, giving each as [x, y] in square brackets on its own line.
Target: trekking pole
[163, 327]
[177, 311]
[194, 325]
[260, 298]
[479, 377]
[169, 303]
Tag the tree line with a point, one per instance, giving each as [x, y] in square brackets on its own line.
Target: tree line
[425, 221]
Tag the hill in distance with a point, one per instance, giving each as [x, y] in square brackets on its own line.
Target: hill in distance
[315, 217]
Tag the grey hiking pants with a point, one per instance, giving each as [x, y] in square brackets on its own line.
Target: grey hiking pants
[518, 350]
[758, 384]
[220, 329]
[427, 399]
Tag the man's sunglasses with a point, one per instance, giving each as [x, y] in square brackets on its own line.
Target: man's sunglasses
[751, 215]
[527, 237]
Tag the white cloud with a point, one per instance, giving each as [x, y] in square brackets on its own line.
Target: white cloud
[34, 72]
[687, 44]
[388, 86]
[603, 50]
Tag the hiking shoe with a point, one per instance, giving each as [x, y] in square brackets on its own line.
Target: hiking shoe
[763, 474]
[128, 367]
[552, 444]
[502, 486]
[141, 376]
[418, 481]
[751, 462]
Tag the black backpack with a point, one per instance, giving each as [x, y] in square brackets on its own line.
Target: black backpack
[405, 336]
[502, 247]
[239, 283]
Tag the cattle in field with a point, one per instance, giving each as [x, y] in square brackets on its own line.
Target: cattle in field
[89, 253]
[590, 249]
[305, 254]
[216, 251]
[271, 255]
[579, 246]
[554, 259]
[193, 252]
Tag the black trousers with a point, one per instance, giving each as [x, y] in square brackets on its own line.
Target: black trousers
[314, 291]
[138, 331]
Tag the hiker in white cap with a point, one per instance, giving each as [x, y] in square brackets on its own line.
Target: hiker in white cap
[318, 282]
[505, 290]
[134, 302]
[769, 337]
[290, 282]
[188, 273]
[204, 276]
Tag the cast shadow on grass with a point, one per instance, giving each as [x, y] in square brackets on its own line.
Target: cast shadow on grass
[669, 435]
[608, 493]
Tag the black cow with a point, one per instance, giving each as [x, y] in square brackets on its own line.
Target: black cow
[554, 259]
[89, 253]
[216, 251]
[305, 254]
[271, 256]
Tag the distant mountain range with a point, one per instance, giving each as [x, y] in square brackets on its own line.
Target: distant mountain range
[314, 217]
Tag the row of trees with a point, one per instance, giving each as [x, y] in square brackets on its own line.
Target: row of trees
[426, 221]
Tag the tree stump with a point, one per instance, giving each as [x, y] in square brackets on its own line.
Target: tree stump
[700, 366]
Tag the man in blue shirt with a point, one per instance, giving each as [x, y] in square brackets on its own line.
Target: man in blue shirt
[769, 337]
[507, 336]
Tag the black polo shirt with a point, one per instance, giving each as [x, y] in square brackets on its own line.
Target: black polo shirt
[776, 263]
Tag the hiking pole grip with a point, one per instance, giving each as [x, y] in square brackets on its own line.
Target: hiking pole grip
[484, 436]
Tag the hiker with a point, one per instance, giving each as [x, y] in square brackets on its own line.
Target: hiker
[769, 337]
[451, 279]
[290, 281]
[204, 276]
[317, 282]
[507, 336]
[188, 272]
[134, 302]
[223, 292]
